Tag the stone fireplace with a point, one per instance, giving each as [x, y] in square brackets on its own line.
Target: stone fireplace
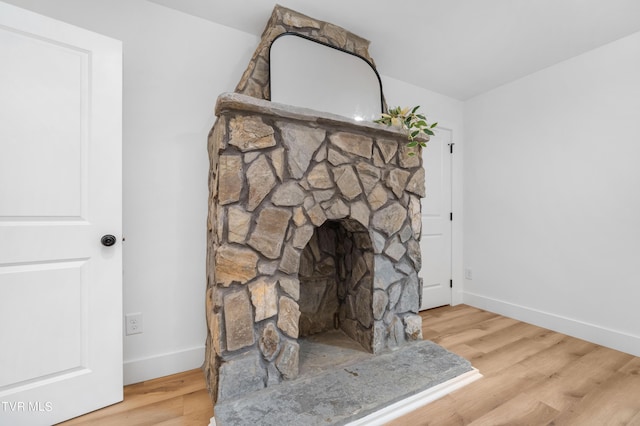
[314, 225]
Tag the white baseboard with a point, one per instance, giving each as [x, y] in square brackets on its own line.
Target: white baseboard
[590, 332]
[142, 369]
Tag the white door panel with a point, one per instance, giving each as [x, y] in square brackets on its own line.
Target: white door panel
[60, 191]
[436, 223]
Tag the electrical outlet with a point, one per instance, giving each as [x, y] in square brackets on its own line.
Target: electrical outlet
[133, 323]
[468, 274]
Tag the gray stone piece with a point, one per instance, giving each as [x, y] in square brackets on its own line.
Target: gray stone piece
[238, 319]
[406, 160]
[270, 230]
[413, 250]
[264, 298]
[388, 148]
[316, 215]
[240, 375]
[415, 213]
[405, 233]
[377, 197]
[269, 341]
[323, 195]
[390, 219]
[239, 222]
[287, 362]
[290, 263]
[347, 181]
[277, 161]
[395, 251]
[319, 177]
[302, 236]
[291, 286]
[413, 327]
[250, 156]
[397, 181]
[301, 142]
[250, 133]
[394, 294]
[409, 299]
[321, 155]
[261, 181]
[288, 316]
[377, 158]
[298, 216]
[273, 375]
[369, 175]
[378, 241]
[288, 194]
[266, 267]
[385, 274]
[361, 213]
[336, 159]
[336, 209]
[363, 306]
[396, 333]
[380, 302]
[353, 143]
[348, 392]
[234, 264]
[416, 184]
[230, 179]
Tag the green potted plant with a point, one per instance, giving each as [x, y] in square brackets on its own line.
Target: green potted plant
[408, 118]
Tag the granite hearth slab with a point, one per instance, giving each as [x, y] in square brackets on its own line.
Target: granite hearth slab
[350, 392]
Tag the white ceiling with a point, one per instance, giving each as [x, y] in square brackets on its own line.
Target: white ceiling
[459, 48]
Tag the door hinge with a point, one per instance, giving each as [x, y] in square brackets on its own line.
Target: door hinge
[451, 216]
[450, 283]
[451, 147]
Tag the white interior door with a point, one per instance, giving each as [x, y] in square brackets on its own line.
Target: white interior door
[436, 222]
[60, 192]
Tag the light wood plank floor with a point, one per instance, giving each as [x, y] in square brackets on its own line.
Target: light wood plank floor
[532, 376]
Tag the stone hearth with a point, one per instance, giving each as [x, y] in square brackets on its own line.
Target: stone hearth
[314, 224]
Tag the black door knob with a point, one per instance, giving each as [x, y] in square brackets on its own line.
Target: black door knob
[108, 240]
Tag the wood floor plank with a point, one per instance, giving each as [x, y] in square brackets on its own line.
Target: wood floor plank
[520, 410]
[139, 396]
[615, 401]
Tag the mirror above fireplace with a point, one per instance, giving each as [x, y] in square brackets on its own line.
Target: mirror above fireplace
[310, 74]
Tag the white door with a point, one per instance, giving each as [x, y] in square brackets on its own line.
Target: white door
[60, 192]
[436, 222]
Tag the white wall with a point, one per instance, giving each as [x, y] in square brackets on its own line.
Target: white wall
[175, 66]
[448, 113]
[552, 197]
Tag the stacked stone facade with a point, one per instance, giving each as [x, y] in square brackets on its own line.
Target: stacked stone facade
[314, 223]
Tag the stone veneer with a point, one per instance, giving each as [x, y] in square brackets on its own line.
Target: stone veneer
[314, 222]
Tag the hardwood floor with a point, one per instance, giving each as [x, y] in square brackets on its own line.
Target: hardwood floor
[177, 400]
[532, 376]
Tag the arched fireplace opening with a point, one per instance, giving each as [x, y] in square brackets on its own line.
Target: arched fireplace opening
[336, 282]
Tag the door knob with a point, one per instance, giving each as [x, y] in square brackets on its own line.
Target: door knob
[108, 240]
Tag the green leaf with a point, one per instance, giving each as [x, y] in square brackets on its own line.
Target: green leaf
[412, 144]
[429, 132]
[433, 125]
[415, 109]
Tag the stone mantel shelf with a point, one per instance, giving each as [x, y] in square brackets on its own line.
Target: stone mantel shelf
[243, 103]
